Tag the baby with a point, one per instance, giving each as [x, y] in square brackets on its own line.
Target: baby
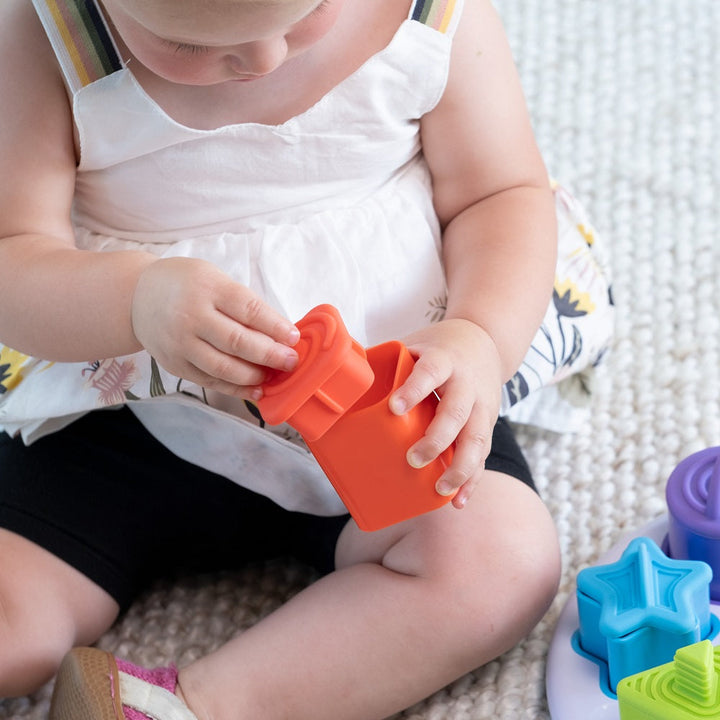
[201, 173]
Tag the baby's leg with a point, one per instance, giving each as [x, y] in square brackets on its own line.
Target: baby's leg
[409, 609]
[46, 607]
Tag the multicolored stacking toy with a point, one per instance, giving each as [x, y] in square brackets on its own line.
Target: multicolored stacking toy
[649, 618]
[693, 499]
[637, 612]
[337, 399]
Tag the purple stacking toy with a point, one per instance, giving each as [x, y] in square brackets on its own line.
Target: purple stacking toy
[693, 500]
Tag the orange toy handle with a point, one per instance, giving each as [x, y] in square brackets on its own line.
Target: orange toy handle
[331, 375]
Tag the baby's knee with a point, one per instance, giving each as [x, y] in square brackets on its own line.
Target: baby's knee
[46, 607]
[30, 653]
[536, 564]
[530, 553]
[509, 573]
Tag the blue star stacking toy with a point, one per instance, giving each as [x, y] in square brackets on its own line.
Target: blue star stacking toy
[637, 612]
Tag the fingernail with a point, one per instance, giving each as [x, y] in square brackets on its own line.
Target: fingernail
[293, 336]
[442, 487]
[256, 393]
[416, 460]
[290, 363]
[398, 406]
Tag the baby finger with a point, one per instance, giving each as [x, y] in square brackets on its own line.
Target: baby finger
[451, 415]
[222, 369]
[238, 341]
[239, 303]
[471, 448]
[427, 375]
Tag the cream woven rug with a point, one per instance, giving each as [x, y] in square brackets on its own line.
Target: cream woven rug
[625, 95]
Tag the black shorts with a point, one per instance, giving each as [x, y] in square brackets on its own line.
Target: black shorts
[110, 500]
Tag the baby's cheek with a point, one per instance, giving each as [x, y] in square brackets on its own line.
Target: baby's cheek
[313, 28]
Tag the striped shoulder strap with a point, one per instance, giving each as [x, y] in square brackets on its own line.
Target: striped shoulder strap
[81, 39]
[441, 15]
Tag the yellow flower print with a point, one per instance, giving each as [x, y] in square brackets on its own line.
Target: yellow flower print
[569, 301]
[587, 233]
[11, 364]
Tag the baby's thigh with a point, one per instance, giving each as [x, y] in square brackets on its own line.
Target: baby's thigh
[495, 560]
[46, 607]
[503, 519]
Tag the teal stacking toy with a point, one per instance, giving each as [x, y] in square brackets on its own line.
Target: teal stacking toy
[637, 612]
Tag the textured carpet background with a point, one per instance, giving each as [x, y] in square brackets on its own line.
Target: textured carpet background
[625, 98]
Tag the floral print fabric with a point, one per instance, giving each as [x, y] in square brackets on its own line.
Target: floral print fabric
[572, 339]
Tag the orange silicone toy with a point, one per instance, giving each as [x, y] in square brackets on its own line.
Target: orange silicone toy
[365, 453]
[337, 398]
[332, 373]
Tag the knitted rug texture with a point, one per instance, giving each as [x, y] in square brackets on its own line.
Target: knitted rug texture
[625, 99]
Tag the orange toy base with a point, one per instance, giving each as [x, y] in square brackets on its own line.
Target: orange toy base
[364, 455]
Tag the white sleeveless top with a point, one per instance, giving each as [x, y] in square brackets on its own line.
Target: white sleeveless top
[332, 206]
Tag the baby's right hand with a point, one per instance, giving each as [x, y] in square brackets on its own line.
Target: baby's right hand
[205, 328]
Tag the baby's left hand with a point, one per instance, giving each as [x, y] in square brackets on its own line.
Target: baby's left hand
[458, 360]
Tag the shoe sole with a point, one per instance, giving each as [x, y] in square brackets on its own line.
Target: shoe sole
[87, 687]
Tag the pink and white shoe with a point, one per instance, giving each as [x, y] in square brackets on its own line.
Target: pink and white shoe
[93, 685]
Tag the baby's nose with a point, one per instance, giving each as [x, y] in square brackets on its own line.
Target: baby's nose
[260, 57]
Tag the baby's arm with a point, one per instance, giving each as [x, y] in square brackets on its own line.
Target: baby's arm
[50, 291]
[63, 304]
[493, 198]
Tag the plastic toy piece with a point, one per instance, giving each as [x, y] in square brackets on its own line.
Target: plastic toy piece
[635, 613]
[332, 374]
[337, 398]
[693, 499]
[687, 688]
[364, 454]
